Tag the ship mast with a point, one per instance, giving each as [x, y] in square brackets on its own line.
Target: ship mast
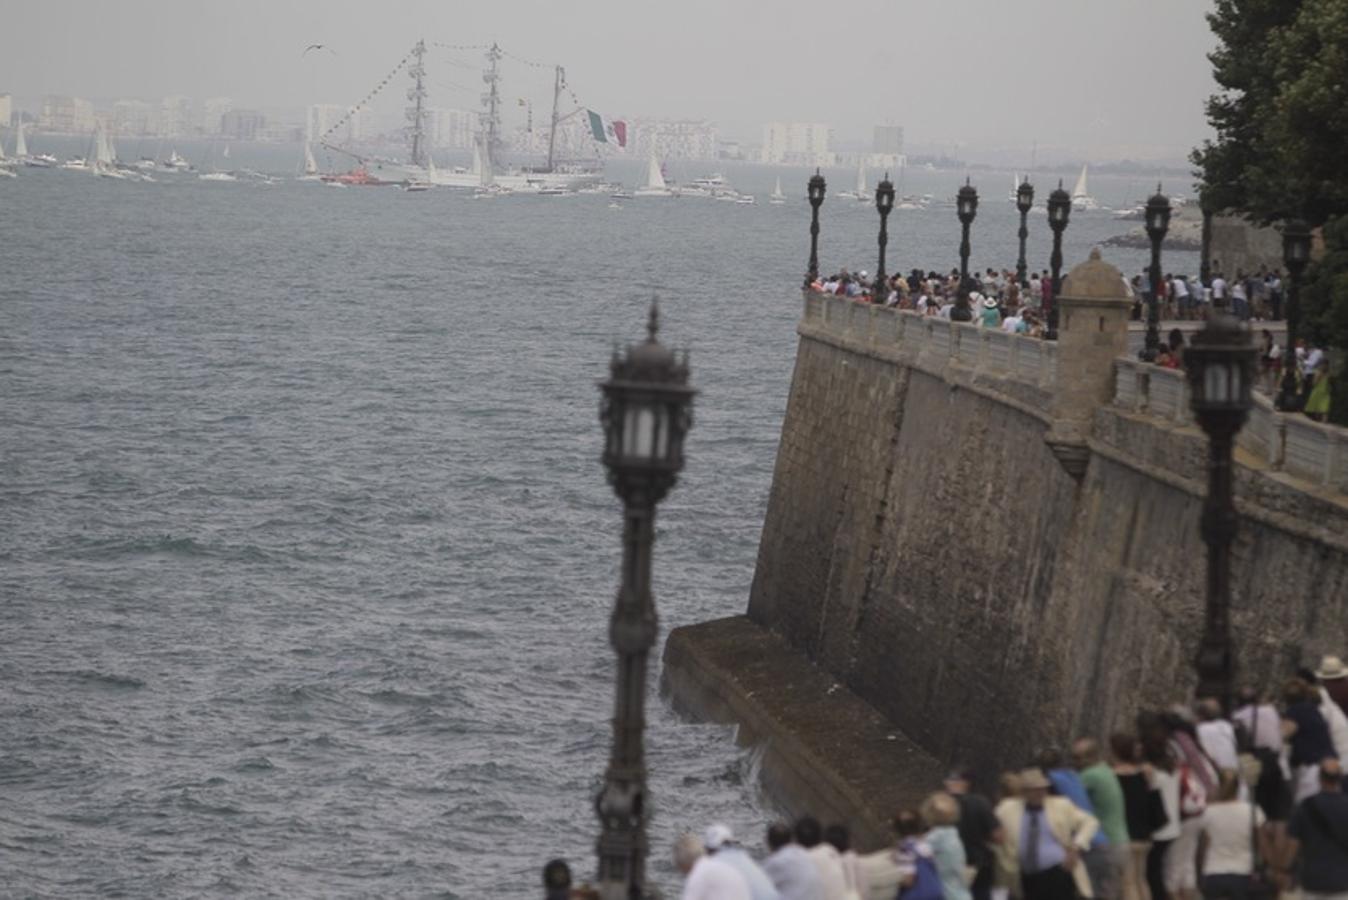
[416, 113]
[558, 81]
[491, 113]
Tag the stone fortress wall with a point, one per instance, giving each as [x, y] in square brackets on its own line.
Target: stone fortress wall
[993, 540]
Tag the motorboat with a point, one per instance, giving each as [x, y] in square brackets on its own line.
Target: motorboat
[746, 199]
[218, 176]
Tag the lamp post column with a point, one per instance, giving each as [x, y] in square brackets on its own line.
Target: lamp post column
[1205, 262]
[884, 202]
[816, 193]
[1219, 530]
[1059, 210]
[1158, 223]
[621, 805]
[1024, 200]
[966, 204]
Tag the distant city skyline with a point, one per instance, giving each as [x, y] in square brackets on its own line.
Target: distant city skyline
[978, 78]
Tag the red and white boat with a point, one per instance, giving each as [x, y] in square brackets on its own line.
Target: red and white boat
[357, 176]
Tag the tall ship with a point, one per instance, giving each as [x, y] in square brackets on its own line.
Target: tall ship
[490, 167]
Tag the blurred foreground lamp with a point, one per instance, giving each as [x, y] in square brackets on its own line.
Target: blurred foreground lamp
[646, 412]
[884, 202]
[1024, 201]
[1220, 364]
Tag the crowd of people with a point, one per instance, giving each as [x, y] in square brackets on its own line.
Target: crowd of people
[997, 299]
[1191, 803]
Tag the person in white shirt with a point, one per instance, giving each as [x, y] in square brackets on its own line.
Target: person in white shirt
[1260, 721]
[721, 845]
[1216, 736]
[1231, 827]
[790, 867]
[1218, 288]
[1012, 323]
[705, 877]
[825, 857]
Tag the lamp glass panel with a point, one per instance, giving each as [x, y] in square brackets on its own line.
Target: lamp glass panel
[1217, 383]
[639, 432]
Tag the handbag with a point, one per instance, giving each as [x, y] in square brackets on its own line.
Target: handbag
[1157, 817]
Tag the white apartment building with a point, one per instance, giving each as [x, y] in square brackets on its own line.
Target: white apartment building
[213, 110]
[66, 115]
[175, 116]
[450, 129]
[797, 143]
[672, 138]
[321, 117]
[134, 118]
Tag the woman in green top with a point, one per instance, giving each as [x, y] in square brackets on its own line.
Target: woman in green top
[1317, 404]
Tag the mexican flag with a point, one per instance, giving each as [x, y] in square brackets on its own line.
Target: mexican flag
[606, 132]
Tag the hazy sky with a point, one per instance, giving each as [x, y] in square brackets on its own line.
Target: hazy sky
[1110, 78]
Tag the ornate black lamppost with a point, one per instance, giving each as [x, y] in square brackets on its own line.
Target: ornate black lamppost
[646, 411]
[884, 202]
[1296, 253]
[1158, 223]
[966, 205]
[816, 191]
[1220, 363]
[1024, 200]
[1059, 208]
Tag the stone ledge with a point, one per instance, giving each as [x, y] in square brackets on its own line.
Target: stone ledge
[825, 750]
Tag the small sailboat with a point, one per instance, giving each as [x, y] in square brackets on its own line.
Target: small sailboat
[310, 170]
[6, 162]
[1081, 197]
[777, 198]
[655, 181]
[861, 194]
[105, 157]
[216, 175]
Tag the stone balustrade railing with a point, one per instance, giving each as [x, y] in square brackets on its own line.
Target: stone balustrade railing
[1287, 443]
[932, 343]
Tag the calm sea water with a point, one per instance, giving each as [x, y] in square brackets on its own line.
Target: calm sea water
[306, 556]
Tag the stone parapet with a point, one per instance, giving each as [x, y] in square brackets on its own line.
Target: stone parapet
[1290, 444]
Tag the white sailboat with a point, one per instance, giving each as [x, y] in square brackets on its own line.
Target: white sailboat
[37, 161]
[310, 172]
[777, 198]
[1015, 187]
[5, 161]
[655, 181]
[105, 159]
[215, 175]
[1081, 197]
[861, 194]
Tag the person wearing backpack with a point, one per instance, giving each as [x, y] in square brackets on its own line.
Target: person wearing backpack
[1044, 839]
[921, 879]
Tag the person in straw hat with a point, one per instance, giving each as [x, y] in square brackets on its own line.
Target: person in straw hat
[1044, 838]
[1333, 675]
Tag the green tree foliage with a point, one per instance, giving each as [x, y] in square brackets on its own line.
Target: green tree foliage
[1282, 115]
[1281, 149]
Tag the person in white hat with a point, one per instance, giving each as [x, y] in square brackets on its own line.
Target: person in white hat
[1333, 675]
[721, 844]
[705, 877]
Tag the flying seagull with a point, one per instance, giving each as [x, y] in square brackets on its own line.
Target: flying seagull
[317, 47]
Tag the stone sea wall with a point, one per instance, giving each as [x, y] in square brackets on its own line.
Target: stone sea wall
[994, 540]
